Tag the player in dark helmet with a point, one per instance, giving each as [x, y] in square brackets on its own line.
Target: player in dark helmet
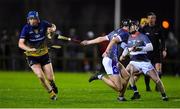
[137, 47]
[33, 41]
[125, 22]
[117, 77]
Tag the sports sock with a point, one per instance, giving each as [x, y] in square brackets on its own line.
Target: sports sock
[52, 83]
[147, 81]
[100, 76]
[163, 94]
[134, 89]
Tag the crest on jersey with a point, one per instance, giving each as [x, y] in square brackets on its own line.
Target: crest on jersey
[36, 31]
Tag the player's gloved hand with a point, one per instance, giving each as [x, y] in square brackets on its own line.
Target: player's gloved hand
[138, 49]
[51, 29]
[132, 49]
[32, 49]
[85, 42]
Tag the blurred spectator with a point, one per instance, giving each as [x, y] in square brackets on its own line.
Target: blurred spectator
[86, 65]
[5, 48]
[72, 51]
[172, 50]
[90, 34]
[14, 49]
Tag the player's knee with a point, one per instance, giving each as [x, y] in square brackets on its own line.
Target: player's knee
[157, 80]
[50, 77]
[126, 77]
[39, 74]
[120, 88]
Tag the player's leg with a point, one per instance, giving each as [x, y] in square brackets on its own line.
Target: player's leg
[124, 78]
[154, 75]
[48, 70]
[107, 63]
[124, 73]
[109, 81]
[152, 56]
[113, 79]
[147, 83]
[121, 88]
[158, 67]
[36, 68]
[133, 78]
[39, 73]
[111, 69]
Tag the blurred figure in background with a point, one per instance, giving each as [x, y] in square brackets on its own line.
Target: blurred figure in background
[172, 50]
[155, 34]
[143, 22]
[5, 48]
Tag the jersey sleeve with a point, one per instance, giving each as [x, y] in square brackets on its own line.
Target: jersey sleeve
[110, 35]
[124, 36]
[24, 33]
[145, 39]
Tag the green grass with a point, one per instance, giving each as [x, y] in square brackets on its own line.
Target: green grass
[22, 89]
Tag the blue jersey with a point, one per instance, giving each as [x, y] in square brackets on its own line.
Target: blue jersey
[138, 40]
[35, 37]
[123, 36]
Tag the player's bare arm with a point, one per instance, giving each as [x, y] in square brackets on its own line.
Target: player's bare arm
[94, 41]
[115, 40]
[23, 46]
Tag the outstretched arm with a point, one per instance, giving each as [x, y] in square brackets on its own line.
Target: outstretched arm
[94, 41]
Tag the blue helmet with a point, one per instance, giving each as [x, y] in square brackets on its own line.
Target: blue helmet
[33, 14]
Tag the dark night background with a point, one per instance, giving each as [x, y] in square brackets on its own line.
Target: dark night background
[85, 15]
[97, 15]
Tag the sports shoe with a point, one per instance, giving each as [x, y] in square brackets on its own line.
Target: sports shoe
[121, 99]
[53, 96]
[136, 96]
[165, 98]
[94, 77]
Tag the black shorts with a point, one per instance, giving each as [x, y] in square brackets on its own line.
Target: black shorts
[42, 60]
[155, 57]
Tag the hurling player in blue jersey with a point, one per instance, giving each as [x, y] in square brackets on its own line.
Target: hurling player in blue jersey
[116, 76]
[137, 47]
[33, 41]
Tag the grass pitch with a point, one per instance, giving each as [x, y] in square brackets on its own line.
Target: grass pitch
[23, 89]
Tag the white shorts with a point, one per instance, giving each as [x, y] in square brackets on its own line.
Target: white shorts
[142, 66]
[110, 66]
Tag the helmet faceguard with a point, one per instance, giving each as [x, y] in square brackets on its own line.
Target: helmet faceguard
[133, 27]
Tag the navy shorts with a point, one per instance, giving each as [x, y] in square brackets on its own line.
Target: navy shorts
[42, 60]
